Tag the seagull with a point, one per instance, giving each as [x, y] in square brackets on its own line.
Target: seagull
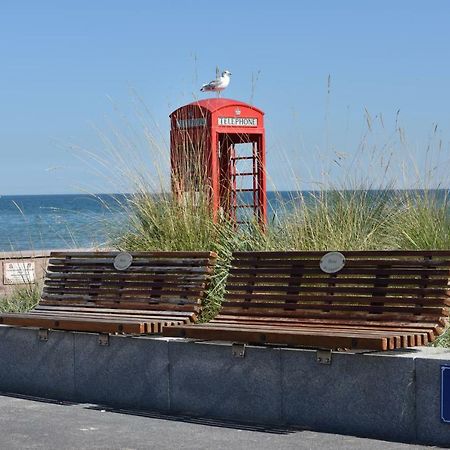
[219, 84]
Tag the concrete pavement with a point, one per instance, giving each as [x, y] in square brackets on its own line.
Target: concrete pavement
[31, 423]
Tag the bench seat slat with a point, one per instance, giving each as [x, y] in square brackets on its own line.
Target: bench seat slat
[286, 337]
[308, 337]
[345, 326]
[349, 330]
[74, 324]
[355, 323]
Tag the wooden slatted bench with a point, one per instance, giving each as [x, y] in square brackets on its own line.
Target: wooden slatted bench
[83, 291]
[379, 300]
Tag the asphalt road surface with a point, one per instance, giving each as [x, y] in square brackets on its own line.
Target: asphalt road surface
[27, 423]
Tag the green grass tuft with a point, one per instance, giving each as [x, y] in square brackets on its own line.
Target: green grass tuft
[21, 299]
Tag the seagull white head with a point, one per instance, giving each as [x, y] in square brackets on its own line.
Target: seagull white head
[219, 84]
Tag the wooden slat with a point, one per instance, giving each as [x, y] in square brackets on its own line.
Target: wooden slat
[341, 315]
[345, 271]
[337, 299]
[132, 269]
[101, 262]
[355, 322]
[384, 254]
[285, 337]
[336, 279]
[124, 292]
[126, 305]
[428, 335]
[320, 306]
[138, 255]
[403, 334]
[105, 283]
[111, 317]
[93, 308]
[144, 277]
[362, 290]
[350, 263]
[99, 326]
[143, 298]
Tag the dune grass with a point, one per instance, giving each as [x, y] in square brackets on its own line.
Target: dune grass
[21, 299]
[345, 219]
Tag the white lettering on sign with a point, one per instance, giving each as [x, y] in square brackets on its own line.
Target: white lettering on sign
[237, 121]
[19, 272]
[191, 123]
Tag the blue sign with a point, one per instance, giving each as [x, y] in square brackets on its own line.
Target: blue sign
[445, 393]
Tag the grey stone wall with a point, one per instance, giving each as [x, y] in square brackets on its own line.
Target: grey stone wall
[390, 395]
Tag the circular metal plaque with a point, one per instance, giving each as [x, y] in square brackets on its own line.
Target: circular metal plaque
[332, 262]
[122, 261]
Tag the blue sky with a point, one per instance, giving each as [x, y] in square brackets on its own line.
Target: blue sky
[67, 69]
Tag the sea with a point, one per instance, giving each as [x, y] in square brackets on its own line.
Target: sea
[38, 222]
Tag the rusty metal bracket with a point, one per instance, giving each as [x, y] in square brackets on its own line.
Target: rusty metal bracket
[43, 334]
[323, 356]
[238, 350]
[103, 339]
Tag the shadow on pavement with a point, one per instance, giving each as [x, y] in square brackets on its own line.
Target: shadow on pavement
[200, 420]
[38, 399]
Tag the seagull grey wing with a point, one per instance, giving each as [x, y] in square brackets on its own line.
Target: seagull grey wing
[213, 84]
[210, 86]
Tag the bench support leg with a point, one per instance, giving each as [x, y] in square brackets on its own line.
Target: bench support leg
[103, 339]
[43, 334]
[238, 350]
[323, 356]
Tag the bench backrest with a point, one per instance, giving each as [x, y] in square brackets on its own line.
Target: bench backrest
[158, 281]
[388, 286]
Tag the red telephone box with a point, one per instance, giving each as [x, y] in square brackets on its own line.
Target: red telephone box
[220, 143]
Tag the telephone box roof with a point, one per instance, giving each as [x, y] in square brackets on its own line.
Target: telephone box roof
[214, 104]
